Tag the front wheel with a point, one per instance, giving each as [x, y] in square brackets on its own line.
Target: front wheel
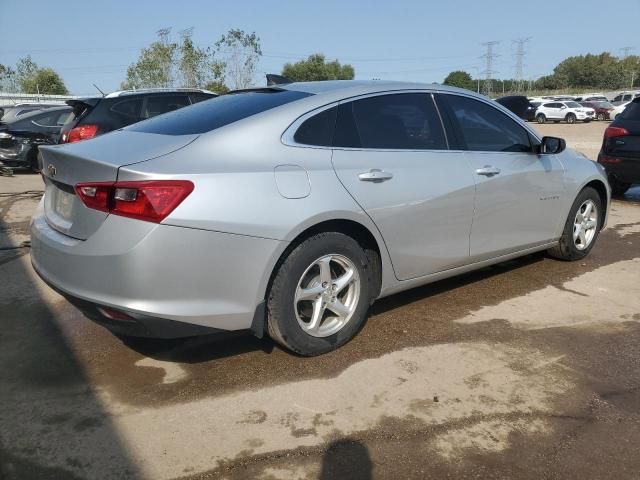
[570, 118]
[320, 295]
[581, 228]
[541, 118]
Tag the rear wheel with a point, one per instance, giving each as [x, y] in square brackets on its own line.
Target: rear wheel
[600, 116]
[570, 118]
[618, 188]
[320, 295]
[540, 118]
[581, 228]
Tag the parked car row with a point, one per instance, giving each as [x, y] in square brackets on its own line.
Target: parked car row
[25, 127]
[543, 109]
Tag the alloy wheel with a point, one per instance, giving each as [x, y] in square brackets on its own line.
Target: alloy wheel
[327, 295]
[585, 225]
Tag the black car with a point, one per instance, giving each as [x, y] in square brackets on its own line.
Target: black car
[620, 153]
[97, 115]
[9, 113]
[520, 105]
[20, 138]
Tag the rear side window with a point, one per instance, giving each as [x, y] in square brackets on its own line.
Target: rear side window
[318, 129]
[128, 111]
[631, 112]
[402, 121]
[485, 128]
[220, 111]
[164, 103]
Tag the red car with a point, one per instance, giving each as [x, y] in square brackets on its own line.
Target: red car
[603, 109]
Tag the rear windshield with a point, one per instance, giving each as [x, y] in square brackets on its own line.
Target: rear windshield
[217, 112]
[631, 112]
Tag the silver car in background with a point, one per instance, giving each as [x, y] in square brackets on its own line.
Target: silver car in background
[290, 209]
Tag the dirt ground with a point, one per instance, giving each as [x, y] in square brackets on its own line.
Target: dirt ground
[529, 369]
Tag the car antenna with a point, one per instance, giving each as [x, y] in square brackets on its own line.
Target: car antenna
[98, 88]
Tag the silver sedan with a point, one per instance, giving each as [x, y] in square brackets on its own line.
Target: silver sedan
[290, 209]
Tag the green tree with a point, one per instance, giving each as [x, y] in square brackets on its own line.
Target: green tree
[460, 79]
[236, 58]
[217, 87]
[47, 82]
[315, 67]
[7, 79]
[196, 66]
[26, 70]
[154, 68]
[30, 78]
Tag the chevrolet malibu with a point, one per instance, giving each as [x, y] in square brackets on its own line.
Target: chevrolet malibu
[290, 209]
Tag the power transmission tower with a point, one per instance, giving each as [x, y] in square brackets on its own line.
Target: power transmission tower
[187, 32]
[520, 53]
[163, 33]
[626, 51]
[489, 57]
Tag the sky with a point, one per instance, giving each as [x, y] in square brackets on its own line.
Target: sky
[94, 42]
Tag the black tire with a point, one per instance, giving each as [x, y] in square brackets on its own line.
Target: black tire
[618, 188]
[570, 118]
[33, 161]
[540, 118]
[282, 324]
[566, 248]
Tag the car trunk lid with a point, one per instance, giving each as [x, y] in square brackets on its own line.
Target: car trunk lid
[97, 160]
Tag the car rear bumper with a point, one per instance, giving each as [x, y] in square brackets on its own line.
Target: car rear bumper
[172, 281]
[626, 171]
[16, 155]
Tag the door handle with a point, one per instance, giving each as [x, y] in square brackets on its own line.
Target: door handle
[488, 171]
[375, 175]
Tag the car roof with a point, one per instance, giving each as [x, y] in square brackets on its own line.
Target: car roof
[363, 87]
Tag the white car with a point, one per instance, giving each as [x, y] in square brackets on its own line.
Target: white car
[624, 98]
[568, 111]
[618, 110]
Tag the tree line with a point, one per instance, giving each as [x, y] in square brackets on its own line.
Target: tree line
[232, 61]
[602, 71]
[28, 77]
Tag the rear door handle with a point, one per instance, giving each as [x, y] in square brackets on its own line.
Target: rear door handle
[375, 175]
[488, 171]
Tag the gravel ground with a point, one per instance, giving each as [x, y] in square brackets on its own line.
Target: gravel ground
[528, 369]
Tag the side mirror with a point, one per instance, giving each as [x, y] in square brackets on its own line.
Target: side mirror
[552, 145]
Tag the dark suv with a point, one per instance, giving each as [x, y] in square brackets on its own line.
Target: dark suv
[97, 115]
[520, 105]
[620, 153]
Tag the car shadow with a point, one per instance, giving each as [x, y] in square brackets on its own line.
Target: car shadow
[52, 423]
[222, 345]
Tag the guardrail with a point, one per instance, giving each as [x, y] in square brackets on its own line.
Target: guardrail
[10, 98]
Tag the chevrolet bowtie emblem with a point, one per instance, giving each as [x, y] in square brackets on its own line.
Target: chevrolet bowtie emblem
[52, 170]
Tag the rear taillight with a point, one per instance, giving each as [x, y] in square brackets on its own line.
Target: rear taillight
[612, 132]
[151, 201]
[604, 159]
[77, 134]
